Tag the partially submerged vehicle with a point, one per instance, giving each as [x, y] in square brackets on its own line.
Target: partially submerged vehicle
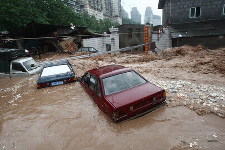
[87, 49]
[122, 93]
[17, 62]
[56, 73]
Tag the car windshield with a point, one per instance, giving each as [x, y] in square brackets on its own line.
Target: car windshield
[121, 82]
[30, 64]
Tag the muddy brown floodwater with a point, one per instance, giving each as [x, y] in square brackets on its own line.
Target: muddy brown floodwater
[65, 117]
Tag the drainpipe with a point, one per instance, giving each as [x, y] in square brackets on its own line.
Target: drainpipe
[170, 11]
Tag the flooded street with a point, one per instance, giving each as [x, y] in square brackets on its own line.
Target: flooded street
[65, 117]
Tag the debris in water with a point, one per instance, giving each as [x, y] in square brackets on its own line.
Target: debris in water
[212, 100]
[213, 94]
[214, 135]
[212, 140]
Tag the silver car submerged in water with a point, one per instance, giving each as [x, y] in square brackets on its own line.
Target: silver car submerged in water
[22, 67]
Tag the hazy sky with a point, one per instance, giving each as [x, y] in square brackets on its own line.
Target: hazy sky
[141, 5]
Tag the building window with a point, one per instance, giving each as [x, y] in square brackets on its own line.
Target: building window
[108, 47]
[195, 12]
[224, 9]
[129, 33]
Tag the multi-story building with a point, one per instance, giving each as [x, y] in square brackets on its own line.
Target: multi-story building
[135, 15]
[156, 20]
[99, 8]
[76, 5]
[148, 15]
[194, 22]
[124, 13]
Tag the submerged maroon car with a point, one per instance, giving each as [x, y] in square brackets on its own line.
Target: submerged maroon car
[121, 92]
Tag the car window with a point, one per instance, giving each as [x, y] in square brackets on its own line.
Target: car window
[92, 83]
[86, 78]
[18, 67]
[84, 49]
[121, 82]
[98, 90]
[30, 64]
[91, 49]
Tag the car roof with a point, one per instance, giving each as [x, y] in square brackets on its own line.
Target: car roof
[108, 70]
[56, 63]
[55, 70]
[22, 59]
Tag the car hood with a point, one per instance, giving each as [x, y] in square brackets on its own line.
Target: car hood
[129, 96]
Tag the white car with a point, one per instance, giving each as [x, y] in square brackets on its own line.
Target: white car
[23, 66]
[26, 66]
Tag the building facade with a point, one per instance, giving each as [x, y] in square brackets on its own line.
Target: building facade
[156, 20]
[131, 35]
[194, 22]
[99, 8]
[186, 11]
[148, 15]
[124, 13]
[135, 15]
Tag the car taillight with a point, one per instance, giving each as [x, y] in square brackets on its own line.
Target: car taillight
[71, 79]
[164, 94]
[42, 85]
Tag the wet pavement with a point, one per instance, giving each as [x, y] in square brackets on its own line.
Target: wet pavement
[65, 117]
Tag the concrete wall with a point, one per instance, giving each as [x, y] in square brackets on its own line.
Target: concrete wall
[177, 11]
[97, 43]
[102, 43]
[164, 41]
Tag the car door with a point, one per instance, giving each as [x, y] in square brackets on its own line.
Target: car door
[92, 86]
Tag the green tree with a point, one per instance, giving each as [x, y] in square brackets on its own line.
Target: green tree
[128, 21]
[17, 13]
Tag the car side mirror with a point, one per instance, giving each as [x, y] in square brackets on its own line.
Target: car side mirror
[79, 79]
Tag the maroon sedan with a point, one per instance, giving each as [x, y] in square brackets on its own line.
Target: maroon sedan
[121, 92]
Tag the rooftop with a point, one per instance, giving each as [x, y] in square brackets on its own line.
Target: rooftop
[161, 4]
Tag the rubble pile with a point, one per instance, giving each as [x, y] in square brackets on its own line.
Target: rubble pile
[201, 98]
[198, 59]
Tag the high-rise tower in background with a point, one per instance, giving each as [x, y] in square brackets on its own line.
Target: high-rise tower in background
[124, 13]
[151, 18]
[135, 15]
[99, 8]
[156, 20]
[148, 18]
